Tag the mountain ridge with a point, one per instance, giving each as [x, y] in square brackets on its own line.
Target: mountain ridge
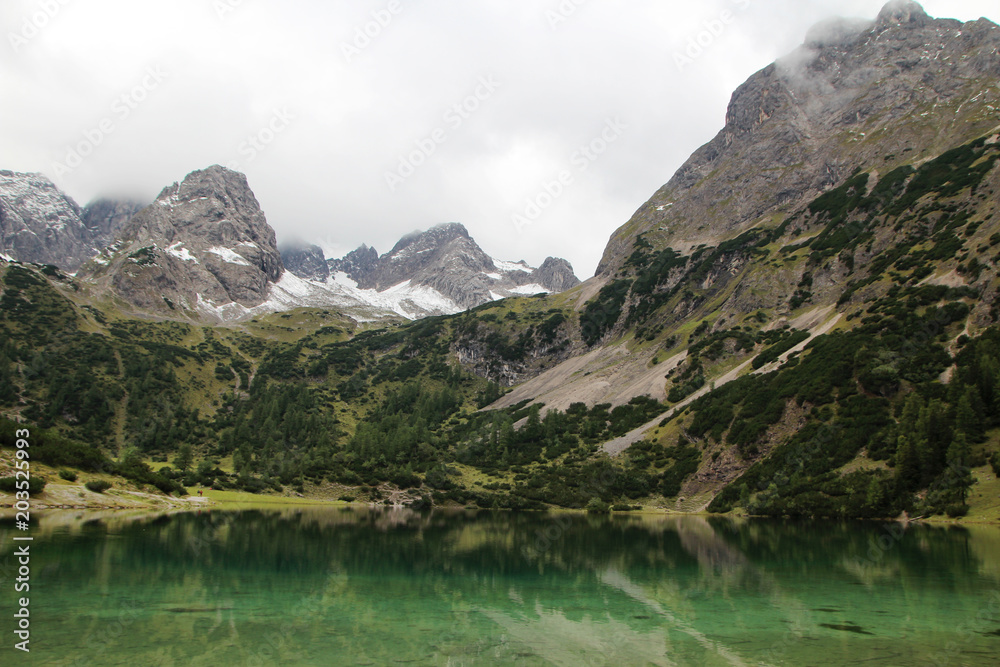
[444, 258]
[899, 71]
[41, 224]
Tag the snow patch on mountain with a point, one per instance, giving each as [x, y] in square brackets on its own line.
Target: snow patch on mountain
[228, 255]
[405, 299]
[510, 267]
[180, 252]
[529, 290]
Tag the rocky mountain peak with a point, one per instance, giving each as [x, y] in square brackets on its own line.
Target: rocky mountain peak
[105, 217]
[203, 245]
[41, 224]
[435, 237]
[444, 258]
[877, 94]
[305, 260]
[904, 13]
[556, 275]
[358, 264]
[214, 206]
[439, 271]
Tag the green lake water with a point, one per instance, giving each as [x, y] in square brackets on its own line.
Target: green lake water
[321, 586]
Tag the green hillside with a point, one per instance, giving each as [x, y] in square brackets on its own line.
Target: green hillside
[891, 410]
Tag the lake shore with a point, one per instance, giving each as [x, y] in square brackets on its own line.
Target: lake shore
[67, 496]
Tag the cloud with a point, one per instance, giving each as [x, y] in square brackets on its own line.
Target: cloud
[360, 88]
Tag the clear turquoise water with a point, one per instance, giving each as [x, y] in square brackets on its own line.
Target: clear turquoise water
[359, 587]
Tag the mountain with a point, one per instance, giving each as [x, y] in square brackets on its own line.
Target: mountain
[104, 218]
[555, 275]
[204, 245]
[448, 261]
[304, 260]
[812, 288]
[40, 224]
[871, 95]
[358, 265]
[204, 249]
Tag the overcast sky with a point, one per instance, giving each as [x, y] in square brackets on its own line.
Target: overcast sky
[343, 114]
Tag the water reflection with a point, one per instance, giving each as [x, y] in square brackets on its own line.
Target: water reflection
[365, 586]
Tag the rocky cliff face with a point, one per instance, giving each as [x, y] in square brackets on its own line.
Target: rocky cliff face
[204, 245]
[359, 265]
[556, 275]
[305, 261]
[444, 258]
[40, 224]
[105, 218]
[871, 95]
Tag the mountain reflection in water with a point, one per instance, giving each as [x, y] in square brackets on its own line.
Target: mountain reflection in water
[369, 586]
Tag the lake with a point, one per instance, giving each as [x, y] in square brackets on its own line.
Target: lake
[351, 586]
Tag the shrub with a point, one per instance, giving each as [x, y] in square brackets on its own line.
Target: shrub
[772, 353]
[623, 507]
[251, 484]
[995, 463]
[10, 485]
[598, 506]
[68, 475]
[957, 510]
[98, 486]
[603, 312]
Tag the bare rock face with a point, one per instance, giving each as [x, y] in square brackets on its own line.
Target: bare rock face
[203, 245]
[555, 275]
[903, 12]
[444, 258]
[305, 261]
[359, 265]
[40, 224]
[872, 95]
[105, 218]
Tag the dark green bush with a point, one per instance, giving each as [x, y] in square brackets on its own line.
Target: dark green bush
[68, 475]
[772, 353]
[10, 485]
[98, 486]
[598, 506]
[957, 510]
[602, 313]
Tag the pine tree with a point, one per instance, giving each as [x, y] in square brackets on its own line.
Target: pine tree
[184, 458]
[934, 435]
[909, 422]
[959, 475]
[908, 475]
[968, 420]
[876, 497]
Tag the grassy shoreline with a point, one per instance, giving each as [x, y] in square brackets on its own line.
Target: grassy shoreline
[125, 501]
